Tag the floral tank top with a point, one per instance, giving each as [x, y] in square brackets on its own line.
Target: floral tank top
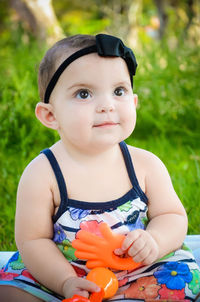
[123, 215]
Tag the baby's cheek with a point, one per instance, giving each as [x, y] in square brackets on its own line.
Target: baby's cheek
[129, 118]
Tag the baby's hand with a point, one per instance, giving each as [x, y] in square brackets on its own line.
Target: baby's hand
[79, 286]
[141, 246]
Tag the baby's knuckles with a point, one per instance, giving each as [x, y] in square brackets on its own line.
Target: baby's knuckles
[150, 259]
[137, 246]
[143, 249]
[142, 255]
[74, 286]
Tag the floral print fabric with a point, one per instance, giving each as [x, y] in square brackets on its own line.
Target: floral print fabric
[175, 277]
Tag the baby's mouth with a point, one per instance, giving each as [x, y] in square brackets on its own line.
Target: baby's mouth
[105, 124]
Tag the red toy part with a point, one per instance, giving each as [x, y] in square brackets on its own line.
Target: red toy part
[94, 297]
[97, 297]
[76, 298]
[99, 251]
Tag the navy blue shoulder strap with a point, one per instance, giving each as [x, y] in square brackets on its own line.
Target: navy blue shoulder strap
[131, 170]
[60, 180]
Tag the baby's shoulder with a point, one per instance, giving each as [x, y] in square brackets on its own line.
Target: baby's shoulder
[38, 171]
[144, 159]
[141, 154]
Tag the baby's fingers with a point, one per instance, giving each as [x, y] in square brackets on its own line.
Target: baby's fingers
[138, 248]
[149, 259]
[88, 285]
[129, 240]
[119, 252]
[141, 255]
[79, 286]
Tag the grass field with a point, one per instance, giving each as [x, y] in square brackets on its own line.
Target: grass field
[167, 84]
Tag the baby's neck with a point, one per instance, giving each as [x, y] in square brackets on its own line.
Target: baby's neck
[109, 154]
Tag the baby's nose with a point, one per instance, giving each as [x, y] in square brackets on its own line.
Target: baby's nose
[109, 108]
[107, 105]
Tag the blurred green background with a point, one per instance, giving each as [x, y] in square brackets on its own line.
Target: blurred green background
[165, 36]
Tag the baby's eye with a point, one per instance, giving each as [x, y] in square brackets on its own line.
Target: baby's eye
[83, 94]
[120, 91]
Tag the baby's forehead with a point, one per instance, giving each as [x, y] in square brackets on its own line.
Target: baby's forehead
[92, 58]
[94, 71]
[96, 64]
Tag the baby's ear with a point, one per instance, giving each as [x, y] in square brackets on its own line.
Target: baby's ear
[135, 99]
[45, 114]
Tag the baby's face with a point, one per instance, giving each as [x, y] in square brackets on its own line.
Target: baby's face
[93, 103]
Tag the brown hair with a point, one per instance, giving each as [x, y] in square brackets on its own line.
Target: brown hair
[58, 50]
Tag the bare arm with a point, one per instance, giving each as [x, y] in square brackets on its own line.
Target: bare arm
[167, 227]
[168, 219]
[34, 232]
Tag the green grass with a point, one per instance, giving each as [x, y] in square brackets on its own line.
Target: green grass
[167, 83]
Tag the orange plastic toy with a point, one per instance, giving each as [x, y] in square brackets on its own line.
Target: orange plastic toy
[99, 251]
[105, 279]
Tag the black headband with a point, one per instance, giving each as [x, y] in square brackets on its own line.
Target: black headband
[106, 46]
